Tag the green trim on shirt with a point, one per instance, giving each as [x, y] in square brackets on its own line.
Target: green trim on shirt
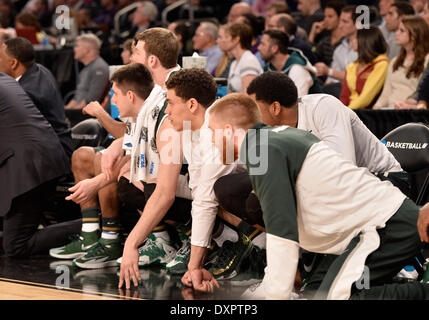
[296, 58]
[285, 151]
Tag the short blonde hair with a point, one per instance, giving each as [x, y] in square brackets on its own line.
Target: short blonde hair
[237, 109]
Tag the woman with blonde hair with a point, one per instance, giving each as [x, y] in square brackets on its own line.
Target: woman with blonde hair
[406, 69]
[236, 40]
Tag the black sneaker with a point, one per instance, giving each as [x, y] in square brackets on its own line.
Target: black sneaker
[252, 268]
[230, 257]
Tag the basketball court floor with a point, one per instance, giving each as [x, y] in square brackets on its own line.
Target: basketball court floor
[45, 278]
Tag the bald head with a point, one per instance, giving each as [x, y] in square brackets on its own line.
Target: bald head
[238, 10]
[283, 22]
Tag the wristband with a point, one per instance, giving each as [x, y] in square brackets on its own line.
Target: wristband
[330, 72]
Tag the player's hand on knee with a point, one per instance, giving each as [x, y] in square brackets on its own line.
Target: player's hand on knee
[83, 191]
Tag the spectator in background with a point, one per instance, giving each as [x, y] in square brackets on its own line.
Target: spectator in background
[332, 36]
[364, 78]
[286, 23]
[393, 17]
[260, 6]
[257, 25]
[425, 13]
[279, 7]
[274, 8]
[4, 35]
[144, 17]
[84, 18]
[28, 20]
[418, 5]
[106, 14]
[236, 40]
[345, 53]
[389, 36]
[17, 60]
[309, 12]
[222, 69]
[6, 8]
[5, 31]
[274, 50]
[406, 69]
[127, 51]
[75, 5]
[205, 42]
[94, 77]
[237, 10]
[181, 30]
[40, 9]
[420, 98]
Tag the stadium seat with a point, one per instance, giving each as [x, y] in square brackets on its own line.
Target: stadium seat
[409, 144]
[88, 132]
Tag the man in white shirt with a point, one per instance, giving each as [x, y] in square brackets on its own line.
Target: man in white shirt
[189, 93]
[344, 54]
[393, 17]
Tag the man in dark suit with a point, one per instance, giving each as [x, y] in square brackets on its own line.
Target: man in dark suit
[31, 161]
[17, 60]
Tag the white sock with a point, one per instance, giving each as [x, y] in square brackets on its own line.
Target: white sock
[226, 234]
[90, 227]
[260, 241]
[109, 235]
[162, 234]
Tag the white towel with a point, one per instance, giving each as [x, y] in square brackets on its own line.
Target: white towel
[144, 154]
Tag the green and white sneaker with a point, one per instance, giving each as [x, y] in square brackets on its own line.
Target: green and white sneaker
[102, 255]
[155, 251]
[78, 247]
[179, 265]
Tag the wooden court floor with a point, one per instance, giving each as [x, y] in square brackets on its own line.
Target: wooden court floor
[45, 278]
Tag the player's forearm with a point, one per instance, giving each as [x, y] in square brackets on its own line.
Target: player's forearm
[114, 127]
[198, 255]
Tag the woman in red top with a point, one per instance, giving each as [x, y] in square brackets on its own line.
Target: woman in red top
[365, 77]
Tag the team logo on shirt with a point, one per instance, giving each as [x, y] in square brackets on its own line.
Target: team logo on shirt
[155, 112]
[143, 134]
[153, 145]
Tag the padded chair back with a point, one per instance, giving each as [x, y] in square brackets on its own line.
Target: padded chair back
[409, 144]
[89, 133]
